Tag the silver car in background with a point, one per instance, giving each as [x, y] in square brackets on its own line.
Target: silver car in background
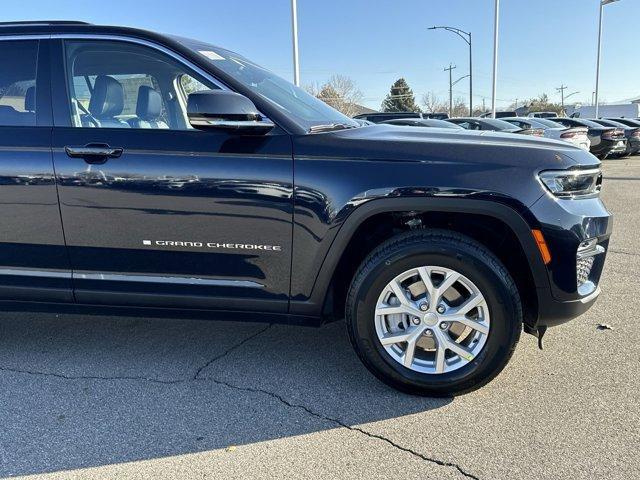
[575, 135]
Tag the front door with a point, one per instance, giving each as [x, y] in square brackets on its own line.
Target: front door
[156, 213]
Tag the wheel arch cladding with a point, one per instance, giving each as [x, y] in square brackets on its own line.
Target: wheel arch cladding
[499, 227]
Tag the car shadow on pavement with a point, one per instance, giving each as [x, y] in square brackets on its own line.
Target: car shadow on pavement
[79, 392]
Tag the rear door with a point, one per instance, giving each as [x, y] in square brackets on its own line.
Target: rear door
[164, 215]
[33, 260]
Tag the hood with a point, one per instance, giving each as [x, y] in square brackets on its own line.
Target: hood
[422, 144]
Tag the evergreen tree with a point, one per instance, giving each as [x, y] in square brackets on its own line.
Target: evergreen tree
[400, 98]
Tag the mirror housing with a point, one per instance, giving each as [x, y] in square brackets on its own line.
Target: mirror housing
[226, 110]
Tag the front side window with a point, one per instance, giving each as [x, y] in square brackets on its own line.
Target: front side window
[19, 61]
[124, 85]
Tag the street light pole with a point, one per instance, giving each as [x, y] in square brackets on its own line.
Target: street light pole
[496, 24]
[597, 93]
[294, 32]
[466, 36]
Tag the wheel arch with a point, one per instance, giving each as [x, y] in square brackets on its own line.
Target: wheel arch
[322, 299]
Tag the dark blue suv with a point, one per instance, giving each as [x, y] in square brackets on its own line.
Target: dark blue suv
[144, 174]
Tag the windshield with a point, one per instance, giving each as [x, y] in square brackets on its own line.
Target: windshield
[306, 109]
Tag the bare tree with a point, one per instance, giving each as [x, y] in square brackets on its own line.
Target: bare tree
[460, 108]
[433, 104]
[340, 92]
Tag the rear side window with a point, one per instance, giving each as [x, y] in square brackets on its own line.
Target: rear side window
[19, 61]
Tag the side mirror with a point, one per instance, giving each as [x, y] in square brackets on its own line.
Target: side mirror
[225, 110]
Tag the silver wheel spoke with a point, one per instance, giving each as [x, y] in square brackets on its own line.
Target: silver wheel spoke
[448, 281]
[469, 305]
[425, 276]
[397, 338]
[398, 291]
[459, 350]
[405, 303]
[392, 310]
[479, 326]
[407, 358]
[440, 352]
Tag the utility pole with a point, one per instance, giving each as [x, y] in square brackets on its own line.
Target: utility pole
[450, 70]
[561, 89]
[294, 33]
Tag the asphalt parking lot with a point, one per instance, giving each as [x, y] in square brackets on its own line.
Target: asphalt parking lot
[121, 397]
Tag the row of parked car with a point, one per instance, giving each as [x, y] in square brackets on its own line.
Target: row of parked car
[604, 137]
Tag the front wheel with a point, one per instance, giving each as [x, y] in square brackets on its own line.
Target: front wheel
[433, 312]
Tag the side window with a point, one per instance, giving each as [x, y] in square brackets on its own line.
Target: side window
[124, 85]
[18, 82]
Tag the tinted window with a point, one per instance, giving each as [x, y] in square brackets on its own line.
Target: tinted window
[18, 82]
[124, 85]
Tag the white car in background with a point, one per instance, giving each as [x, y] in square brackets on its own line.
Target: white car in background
[575, 135]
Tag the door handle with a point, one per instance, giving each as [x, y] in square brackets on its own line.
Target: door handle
[94, 153]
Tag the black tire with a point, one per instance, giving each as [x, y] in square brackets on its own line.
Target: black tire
[445, 249]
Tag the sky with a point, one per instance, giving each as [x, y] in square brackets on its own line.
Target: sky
[543, 43]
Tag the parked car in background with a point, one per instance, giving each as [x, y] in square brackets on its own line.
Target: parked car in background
[422, 122]
[632, 122]
[379, 117]
[542, 115]
[551, 129]
[436, 115]
[605, 141]
[487, 124]
[499, 114]
[627, 110]
[631, 133]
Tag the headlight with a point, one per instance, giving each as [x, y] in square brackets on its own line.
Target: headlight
[572, 183]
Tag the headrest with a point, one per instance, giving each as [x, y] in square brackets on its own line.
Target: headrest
[30, 99]
[149, 106]
[107, 99]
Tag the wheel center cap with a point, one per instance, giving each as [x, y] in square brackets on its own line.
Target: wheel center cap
[430, 319]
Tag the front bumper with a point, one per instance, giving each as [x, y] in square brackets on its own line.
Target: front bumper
[565, 224]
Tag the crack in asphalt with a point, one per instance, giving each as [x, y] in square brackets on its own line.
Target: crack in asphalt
[138, 378]
[228, 351]
[281, 399]
[624, 252]
[344, 425]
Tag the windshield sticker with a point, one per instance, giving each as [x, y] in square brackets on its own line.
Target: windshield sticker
[211, 55]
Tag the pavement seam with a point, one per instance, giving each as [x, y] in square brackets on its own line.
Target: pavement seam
[344, 425]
